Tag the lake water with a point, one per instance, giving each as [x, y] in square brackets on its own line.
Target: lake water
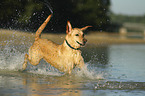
[115, 70]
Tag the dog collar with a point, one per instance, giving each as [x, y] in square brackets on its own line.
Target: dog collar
[71, 46]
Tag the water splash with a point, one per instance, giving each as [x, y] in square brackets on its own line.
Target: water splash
[10, 58]
[89, 72]
[113, 85]
[48, 5]
[43, 68]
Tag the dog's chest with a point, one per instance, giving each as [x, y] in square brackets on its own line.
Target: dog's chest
[71, 57]
[68, 60]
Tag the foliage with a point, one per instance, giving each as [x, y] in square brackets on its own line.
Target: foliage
[133, 23]
[119, 18]
[29, 14]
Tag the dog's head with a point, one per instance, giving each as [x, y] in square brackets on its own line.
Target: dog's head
[75, 36]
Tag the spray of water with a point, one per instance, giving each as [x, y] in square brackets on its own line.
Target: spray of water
[48, 5]
[11, 58]
[89, 72]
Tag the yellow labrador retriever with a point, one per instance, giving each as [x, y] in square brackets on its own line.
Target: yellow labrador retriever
[63, 57]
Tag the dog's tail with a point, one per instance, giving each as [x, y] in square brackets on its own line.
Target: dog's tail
[40, 29]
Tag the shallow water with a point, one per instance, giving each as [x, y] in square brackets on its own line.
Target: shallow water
[115, 70]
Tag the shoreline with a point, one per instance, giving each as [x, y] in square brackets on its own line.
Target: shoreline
[102, 38]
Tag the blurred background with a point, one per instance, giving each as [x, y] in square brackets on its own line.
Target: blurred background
[103, 15]
[114, 54]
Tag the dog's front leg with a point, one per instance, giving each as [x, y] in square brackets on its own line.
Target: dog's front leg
[25, 62]
[81, 63]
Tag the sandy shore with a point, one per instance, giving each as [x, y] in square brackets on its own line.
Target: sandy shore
[101, 38]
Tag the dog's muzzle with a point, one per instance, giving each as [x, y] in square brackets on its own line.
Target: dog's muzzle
[84, 42]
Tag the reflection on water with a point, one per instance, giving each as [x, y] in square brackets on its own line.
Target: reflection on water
[26, 84]
[127, 62]
[32, 85]
[110, 70]
[95, 54]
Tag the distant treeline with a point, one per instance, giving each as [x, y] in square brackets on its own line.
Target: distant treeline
[125, 18]
[30, 14]
[118, 20]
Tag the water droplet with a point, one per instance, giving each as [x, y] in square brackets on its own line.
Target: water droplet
[34, 14]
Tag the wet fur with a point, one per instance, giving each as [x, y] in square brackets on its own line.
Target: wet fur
[62, 56]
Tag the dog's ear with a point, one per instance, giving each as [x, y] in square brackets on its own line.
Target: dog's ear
[84, 28]
[68, 27]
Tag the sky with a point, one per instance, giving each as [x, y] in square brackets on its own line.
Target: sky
[128, 7]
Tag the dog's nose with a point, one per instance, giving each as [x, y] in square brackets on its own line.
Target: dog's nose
[85, 40]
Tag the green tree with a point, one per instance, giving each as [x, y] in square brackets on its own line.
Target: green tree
[15, 12]
[31, 13]
[94, 12]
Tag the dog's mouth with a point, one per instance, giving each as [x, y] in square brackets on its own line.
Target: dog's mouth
[82, 44]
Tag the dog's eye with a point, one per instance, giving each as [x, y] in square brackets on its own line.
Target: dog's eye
[77, 34]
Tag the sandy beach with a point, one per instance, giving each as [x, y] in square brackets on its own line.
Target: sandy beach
[99, 38]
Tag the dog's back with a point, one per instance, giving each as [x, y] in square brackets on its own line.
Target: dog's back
[64, 57]
[53, 53]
